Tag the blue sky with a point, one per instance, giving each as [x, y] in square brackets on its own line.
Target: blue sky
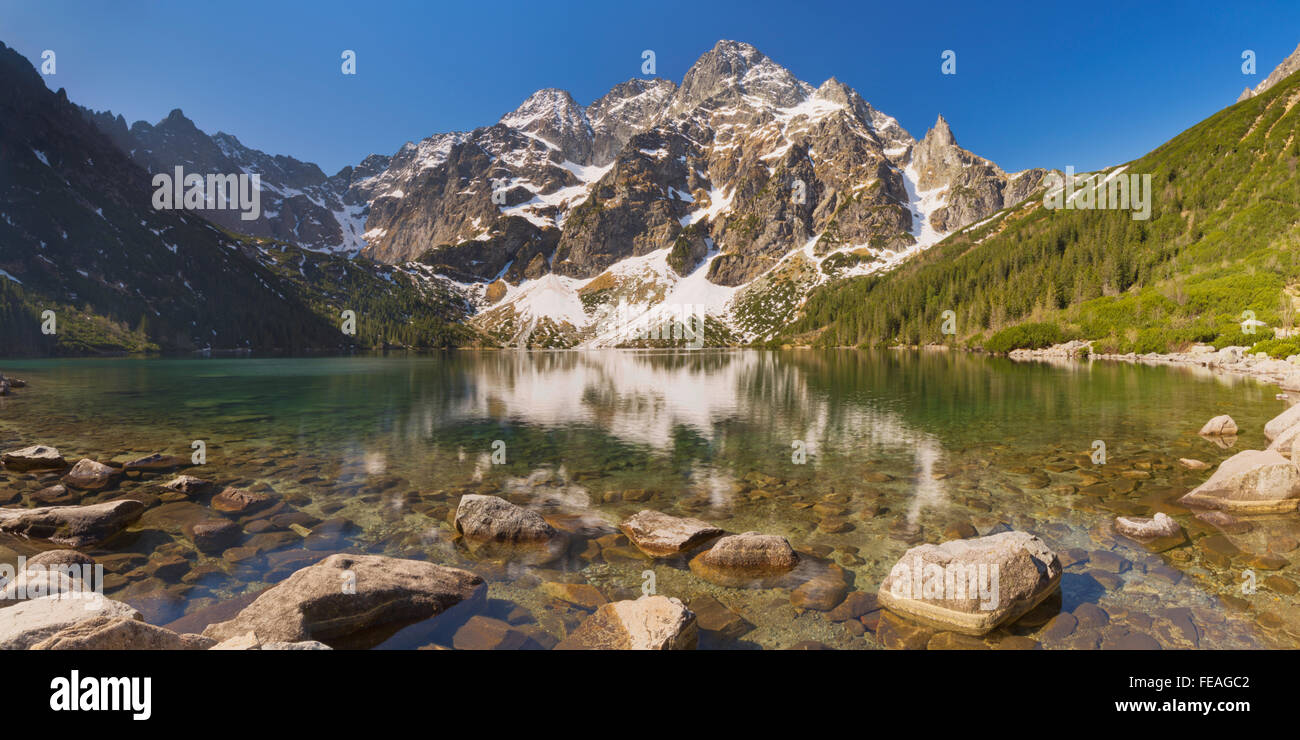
[1037, 84]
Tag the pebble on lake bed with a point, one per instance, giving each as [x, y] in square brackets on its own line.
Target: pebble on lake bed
[1142, 528]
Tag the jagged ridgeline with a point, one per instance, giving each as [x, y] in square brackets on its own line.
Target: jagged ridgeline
[80, 238]
[1221, 240]
[728, 198]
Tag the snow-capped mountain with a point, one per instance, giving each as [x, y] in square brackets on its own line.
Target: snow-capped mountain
[740, 189]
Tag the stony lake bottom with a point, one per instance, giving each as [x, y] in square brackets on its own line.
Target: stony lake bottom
[853, 456]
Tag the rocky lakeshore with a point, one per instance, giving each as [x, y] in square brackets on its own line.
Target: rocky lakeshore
[1231, 360]
[277, 548]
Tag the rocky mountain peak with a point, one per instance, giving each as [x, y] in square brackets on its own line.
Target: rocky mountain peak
[940, 134]
[627, 109]
[554, 117]
[733, 69]
[1288, 67]
[834, 91]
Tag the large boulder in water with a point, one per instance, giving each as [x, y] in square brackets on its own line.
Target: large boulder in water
[75, 526]
[972, 586]
[36, 457]
[1252, 481]
[749, 559]
[647, 623]
[1220, 426]
[495, 527]
[660, 535]
[346, 594]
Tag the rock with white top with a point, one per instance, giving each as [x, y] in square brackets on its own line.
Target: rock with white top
[751, 559]
[26, 624]
[1283, 421]
[647, 623]
[1147, 528]
[494, 527]
[660, 535]
[974, 585]
[1219, 426]
[1254, 481]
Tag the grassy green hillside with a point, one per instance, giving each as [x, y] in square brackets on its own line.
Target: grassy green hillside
[1222, 239]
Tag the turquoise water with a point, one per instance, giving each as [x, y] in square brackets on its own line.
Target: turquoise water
[843, 452]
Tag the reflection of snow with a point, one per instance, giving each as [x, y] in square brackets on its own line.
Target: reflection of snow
[929, 492]
[643, 397]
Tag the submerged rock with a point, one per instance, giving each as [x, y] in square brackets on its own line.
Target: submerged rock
[822, 593]
[155, 463]
[659, 535]
[486, 633]
[36, 457]
[188, 485]
[89, 475]
[1219, 426]
[749, 559]
[718, 619]
[1192, 464]
[75, 526]
[495, 527]
[55, 495]
[1142, 528]
[648, 623]
[345, 594]
[972, 586]
[1227, 523]
[241, 501]
[213, 535]
[1250, 481]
